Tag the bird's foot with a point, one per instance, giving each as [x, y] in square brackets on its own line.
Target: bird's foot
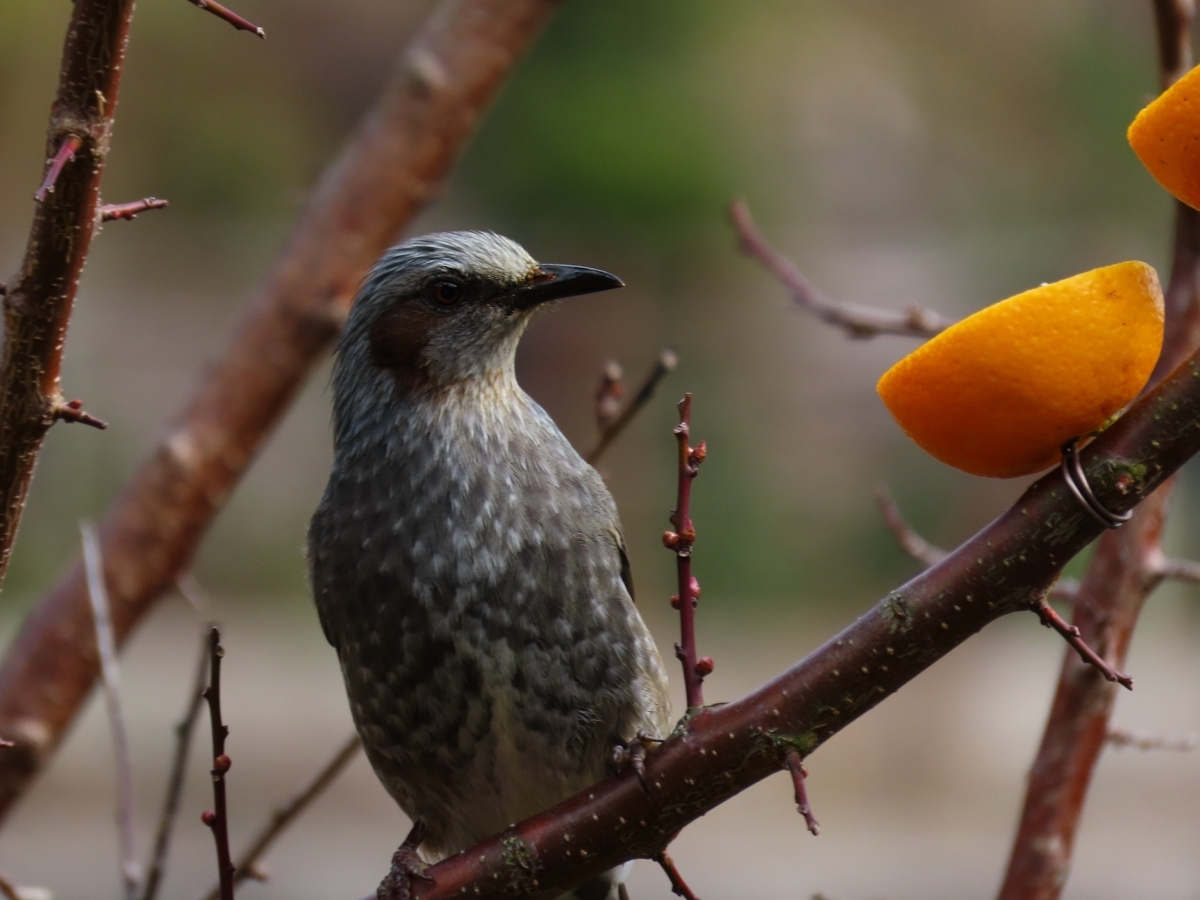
[406, 866]
[633, 754]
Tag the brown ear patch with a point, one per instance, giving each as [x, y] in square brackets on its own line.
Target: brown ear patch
[398, 339]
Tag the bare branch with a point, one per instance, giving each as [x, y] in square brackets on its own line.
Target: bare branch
[1122, 738]
[795, 766]
[218, 819]
[914, 545]
[679, 887]
[1177, 570]
[246, 866]
[857, 321]
[39, 298]
[72, 411]
[129, 211]
[1071, 635]
[184, 729]
[229, 16]
[612, 427]
[390, 168]
[680, 543]
[112, 699]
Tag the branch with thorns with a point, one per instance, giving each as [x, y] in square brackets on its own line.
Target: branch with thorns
[238, 22]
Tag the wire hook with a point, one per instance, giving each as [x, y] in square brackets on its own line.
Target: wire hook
[1077, 481]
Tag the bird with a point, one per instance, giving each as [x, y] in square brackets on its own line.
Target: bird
[467, 565]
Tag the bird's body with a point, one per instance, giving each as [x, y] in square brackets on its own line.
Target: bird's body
[467, 564]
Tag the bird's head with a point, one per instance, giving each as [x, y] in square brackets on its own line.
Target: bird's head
[442, 309]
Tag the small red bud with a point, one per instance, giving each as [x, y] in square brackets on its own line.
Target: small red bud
[705, 666]
[670, 540]
[695, 586]
[221, 764]
[674, 601]
[698, 454]
[209, 818]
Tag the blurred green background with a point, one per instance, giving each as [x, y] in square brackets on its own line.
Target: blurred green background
[933, 152]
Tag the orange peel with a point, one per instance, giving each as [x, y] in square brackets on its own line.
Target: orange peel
[1166, 138]
[1000, 392]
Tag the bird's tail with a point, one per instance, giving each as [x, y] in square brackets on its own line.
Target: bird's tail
[601, 887]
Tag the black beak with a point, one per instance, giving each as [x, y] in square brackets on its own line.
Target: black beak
[551, 282]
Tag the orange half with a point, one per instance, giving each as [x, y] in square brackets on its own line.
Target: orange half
[1166, 138]
[1000, 392]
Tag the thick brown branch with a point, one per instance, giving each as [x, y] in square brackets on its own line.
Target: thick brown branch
[229, 16]
[720, 750]
[1115, 588]
[390, 168]
[858, 321]
[38, 300]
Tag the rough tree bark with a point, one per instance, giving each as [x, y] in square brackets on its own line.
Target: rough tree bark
[391, 167]
[38, 300]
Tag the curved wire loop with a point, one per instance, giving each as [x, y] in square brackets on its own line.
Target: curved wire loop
[1077, 481]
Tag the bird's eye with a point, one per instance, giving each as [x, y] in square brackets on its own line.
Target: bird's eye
[446, 292]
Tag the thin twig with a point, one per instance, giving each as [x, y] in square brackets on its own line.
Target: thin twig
[680, 543]
[184, 729]
[914, 545]
[229, 16]
[795, 765]
[390, 168]
[857, 321]
[609, 430]
[282, 817]
[1178, 570]
[112, 697]
[218, 819]
[72, 411]
[64, 154]
[928, 554]
[679, 887]
[129, 211]
[1122, 738]
[1071, 634]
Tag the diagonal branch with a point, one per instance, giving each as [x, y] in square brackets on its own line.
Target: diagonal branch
[38, 300]
[1116, 586]
[858, 321]
[393, 165]
[718, 751]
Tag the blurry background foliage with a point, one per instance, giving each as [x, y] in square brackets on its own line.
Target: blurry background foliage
[932, 152]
